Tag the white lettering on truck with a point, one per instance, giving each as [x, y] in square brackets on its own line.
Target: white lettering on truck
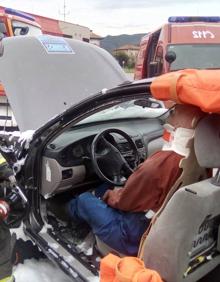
[202, 34]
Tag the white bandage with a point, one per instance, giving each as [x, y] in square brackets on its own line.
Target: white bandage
[178, 140]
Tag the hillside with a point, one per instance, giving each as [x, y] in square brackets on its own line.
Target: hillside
[111, 42]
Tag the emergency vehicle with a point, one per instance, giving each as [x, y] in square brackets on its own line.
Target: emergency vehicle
[13, 23]
[183, 42]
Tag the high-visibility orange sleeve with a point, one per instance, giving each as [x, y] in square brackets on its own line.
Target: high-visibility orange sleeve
[200, 88]
[147, 275]
[126, 269]
[107, 268]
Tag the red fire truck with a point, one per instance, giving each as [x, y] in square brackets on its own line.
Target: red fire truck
[183, 42]
[13, 23]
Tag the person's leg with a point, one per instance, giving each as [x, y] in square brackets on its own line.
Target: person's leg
[120, 230]
[135, 224]
[89, 208]
[5, 254]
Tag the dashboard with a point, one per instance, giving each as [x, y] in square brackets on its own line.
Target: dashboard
[67, 159]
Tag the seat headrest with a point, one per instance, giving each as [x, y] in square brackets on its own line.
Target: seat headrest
[207, 141]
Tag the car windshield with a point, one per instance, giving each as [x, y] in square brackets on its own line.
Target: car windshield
[199, 56]
[22, 28]
[128, 110]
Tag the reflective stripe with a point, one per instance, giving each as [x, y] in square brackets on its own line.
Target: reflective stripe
[3, 207]
[2, 160]
[173, 87]
[8, 279]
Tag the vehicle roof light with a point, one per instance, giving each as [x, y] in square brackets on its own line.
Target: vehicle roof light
[193, 19]
[19, 14]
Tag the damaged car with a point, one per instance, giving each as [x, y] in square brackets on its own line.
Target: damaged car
[66, 95]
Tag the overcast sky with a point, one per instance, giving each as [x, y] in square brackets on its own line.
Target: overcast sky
[117, 16]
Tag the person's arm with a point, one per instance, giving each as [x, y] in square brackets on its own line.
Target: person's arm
[137, 190]
[147, 187]
[111, 197]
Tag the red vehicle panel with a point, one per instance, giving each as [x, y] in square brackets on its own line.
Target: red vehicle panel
[184, 42]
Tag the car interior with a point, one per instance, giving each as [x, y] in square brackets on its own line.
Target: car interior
[182, 242]
[81, 158]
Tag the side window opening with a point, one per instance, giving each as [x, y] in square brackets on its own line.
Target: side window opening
[150, 54]
[22, 28]
[159, 60]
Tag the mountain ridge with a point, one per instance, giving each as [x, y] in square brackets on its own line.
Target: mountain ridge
[111, 42]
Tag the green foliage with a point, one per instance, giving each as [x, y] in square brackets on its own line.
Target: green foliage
[131, 62]
[122, 58]
[125, 61]
[129, 70]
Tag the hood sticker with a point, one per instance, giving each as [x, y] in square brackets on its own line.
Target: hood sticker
[54, 45]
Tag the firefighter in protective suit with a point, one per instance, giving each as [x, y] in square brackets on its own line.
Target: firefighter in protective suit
[6, 241]
[12, 251]
[5, 254]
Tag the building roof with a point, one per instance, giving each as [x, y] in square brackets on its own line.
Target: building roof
[48, 25]
[95, 36]
[127, 47]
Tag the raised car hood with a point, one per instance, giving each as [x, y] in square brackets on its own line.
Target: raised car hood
[45, 75]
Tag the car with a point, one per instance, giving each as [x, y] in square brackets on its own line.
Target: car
[67, 97]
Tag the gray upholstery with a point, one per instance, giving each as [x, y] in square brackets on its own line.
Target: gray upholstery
[168, 245]
[207, 141]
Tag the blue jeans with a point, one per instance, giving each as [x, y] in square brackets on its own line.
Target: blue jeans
[120, 230]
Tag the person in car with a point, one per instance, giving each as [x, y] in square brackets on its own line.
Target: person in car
[122, 215]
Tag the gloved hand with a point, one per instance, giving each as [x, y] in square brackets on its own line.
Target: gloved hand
[4, 209]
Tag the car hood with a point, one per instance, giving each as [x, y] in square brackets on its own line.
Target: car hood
[44, 75]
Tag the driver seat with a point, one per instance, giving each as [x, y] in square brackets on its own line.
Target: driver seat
[183, 241]
[191, 172]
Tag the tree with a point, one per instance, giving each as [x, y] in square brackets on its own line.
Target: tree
[122, 58]
[131, 62]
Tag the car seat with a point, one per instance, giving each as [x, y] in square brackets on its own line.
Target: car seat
[191, 172]
[183, 241]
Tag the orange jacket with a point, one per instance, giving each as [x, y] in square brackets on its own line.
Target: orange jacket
[147, 181]
[127, 269]
[200, 88]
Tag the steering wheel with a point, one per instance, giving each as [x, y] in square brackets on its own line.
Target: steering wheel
[108, 161]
